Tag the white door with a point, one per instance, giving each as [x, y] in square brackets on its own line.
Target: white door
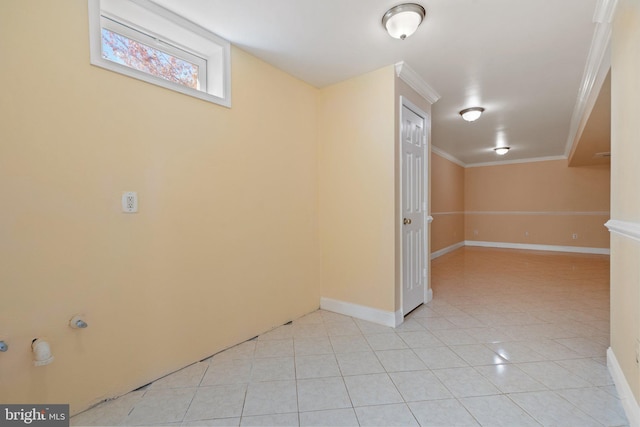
[414, 140]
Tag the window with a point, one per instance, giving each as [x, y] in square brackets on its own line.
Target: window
[140, 39]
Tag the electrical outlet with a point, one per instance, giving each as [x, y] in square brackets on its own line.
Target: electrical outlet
[574, 236]
[130, 202]
[526, 234]
[475, 232]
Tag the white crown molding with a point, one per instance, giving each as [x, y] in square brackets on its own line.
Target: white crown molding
[416, 82]
[447, 156]
[551, 248]
[512, 162]
[598, 64]
[605, 10]
[624, 228]
[631, 408]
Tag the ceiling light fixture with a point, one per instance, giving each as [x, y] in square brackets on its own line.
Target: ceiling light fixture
[471, 114]
[403, 20]
[501, 151]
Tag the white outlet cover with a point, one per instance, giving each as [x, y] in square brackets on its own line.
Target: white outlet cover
[130, 202]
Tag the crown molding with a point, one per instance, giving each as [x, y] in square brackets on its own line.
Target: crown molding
[511, 162]
[605, 10]
[447, 156]
[410, 77]
[596, 69]
[627, 229]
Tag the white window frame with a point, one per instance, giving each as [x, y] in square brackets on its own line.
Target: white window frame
[159, 28]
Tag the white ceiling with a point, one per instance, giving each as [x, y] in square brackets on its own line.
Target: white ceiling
[522, 61]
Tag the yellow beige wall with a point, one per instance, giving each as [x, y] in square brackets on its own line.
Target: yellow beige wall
[625, 182]
[447, 203]
[225, 244]
[357, 194]
[546, 200]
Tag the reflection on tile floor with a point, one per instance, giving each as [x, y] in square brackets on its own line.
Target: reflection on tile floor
[512, 338]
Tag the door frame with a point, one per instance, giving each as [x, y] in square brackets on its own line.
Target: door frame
[404, 102]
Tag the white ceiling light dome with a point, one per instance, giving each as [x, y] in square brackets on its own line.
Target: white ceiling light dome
[501, 151]
[403, 20]
[472, 114]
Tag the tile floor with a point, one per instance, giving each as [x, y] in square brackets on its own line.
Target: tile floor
[512, 338]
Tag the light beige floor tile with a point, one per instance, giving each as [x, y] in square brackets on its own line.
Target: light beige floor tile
[597, 403]
[420, 339]
[549, 409]
[312, 346]
[373, 389]
[477, 355]
[552, 375]
[349, 344]
[332, 417]
[594, 372]
[274, 348]
[465, 382]
[509, 378]
[385, 341]
[440, 357]
[273, 369]
[359, 363]
[420, 385]
[219, 422]
[386, 416]
[498, 411]
[217, 402]
[112, 412]
[400, 360]
[161, 406]
[191, 376]
[275, 420]
[236, 371]
[279, 333]
[267, 398]
[322, 393]
[319, 366]
[442, 413]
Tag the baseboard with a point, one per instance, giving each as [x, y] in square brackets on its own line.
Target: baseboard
[446, 250]
[631, 408]
[552, 248]
[381, 317]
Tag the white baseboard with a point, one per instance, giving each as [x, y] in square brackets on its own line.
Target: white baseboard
[552, 248]
[446, 250]
[631, 408]
[381, 317]
[429, 295]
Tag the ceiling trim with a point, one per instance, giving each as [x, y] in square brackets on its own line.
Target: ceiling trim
[447, 156]
[598, 64]
[511, 162]
[624, 228]
[410, 77]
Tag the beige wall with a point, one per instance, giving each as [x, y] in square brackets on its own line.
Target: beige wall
[225, 244]
[546, 200]
[625, 182]
[447, 203]
[357, 190]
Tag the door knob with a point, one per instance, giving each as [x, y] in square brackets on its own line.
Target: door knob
[406, 221]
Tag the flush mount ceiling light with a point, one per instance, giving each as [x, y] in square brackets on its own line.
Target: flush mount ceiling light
[501, 151]
[403, 20]
[471, 114]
